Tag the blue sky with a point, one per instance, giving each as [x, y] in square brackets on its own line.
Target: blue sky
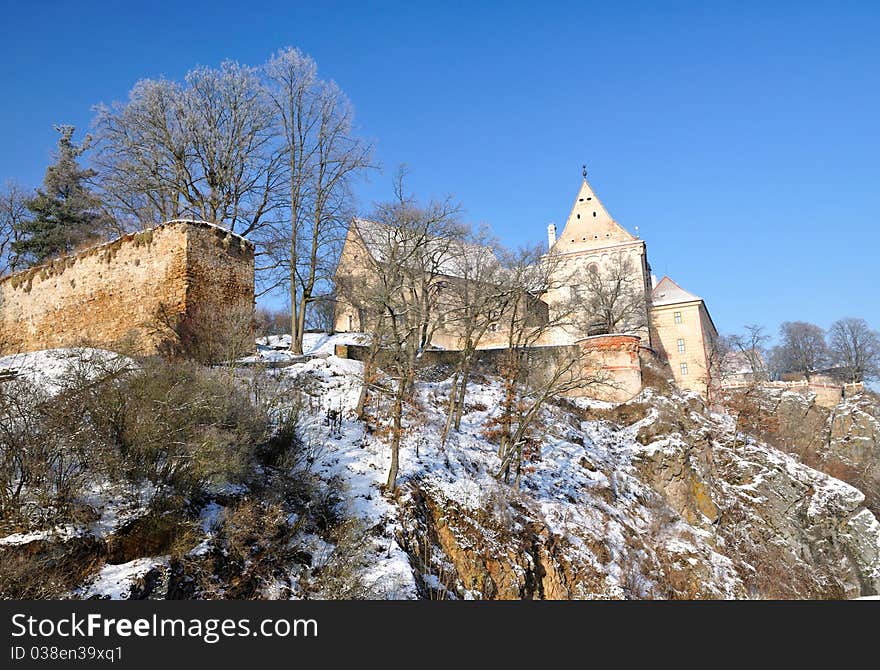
[741, 138]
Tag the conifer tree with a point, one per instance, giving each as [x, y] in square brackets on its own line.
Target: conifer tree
[65, 212]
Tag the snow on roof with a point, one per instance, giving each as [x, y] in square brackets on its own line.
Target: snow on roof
[207, 224]
[667, 292]
[452, 254]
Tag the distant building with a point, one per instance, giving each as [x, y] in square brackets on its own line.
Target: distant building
[742, 368]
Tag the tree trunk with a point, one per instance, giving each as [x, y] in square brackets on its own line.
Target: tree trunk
[462, 394]
[360, 410]
[300, 323]
[397, 429]
[453, 394]
[295, 342]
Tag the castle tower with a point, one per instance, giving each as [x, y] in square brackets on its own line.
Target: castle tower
[592, 239]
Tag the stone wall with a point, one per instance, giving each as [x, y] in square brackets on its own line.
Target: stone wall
[612, 362]
[826, 392]
[115, 295]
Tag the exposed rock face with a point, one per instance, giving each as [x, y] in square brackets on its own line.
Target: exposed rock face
[655, 498]
[506, 551]
[843, 441]
[690, 511]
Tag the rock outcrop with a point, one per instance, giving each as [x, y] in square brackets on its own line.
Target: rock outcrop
[843, 441]
[690, 509]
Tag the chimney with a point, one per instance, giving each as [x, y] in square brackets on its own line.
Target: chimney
[653, 280]
[551, 236]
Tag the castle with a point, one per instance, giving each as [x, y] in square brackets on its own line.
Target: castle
[674, 325]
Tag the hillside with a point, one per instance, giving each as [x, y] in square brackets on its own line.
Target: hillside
[655, 498]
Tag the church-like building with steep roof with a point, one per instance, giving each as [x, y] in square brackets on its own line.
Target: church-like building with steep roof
[676, 324]
[667, 319]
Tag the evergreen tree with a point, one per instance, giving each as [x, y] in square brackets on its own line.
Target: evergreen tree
[65, 211]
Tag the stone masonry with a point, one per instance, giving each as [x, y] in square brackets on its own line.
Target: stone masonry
[122, 294]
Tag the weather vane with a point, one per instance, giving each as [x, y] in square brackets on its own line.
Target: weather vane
[584, 171]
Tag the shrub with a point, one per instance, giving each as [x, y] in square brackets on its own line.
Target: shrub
[338, 575]
[182, 426]
[207, 334]
[48, 450]
[48, 570]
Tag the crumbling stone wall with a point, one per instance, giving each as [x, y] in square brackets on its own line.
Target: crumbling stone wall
[125, 293]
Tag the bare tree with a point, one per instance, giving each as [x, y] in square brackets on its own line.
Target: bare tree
[13, 211]
[322, 313]
[477, 298]
[528, 384]
[751, 345]
[270, 322]
[201, 149]
[321, 155]
[409, 247]
[802, 349]
[856, 348]
[612, 297]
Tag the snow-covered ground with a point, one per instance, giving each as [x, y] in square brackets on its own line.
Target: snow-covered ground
[48, 368]
[585, 488]
[115, 581]
[276, 348]
[568, 496]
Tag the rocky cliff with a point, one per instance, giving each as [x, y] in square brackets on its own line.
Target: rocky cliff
[658, 497]
[843, 441]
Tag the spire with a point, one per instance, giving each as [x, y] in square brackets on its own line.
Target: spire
[589, 224]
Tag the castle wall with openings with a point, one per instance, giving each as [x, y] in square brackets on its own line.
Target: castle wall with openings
[126, 294]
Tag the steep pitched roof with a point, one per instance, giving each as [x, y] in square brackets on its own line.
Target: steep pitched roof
[589, 225]
[454, 256]
[667, 292]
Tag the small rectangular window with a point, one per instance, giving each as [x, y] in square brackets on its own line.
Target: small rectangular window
[680, 345]
[684, 369]
[677, 316]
